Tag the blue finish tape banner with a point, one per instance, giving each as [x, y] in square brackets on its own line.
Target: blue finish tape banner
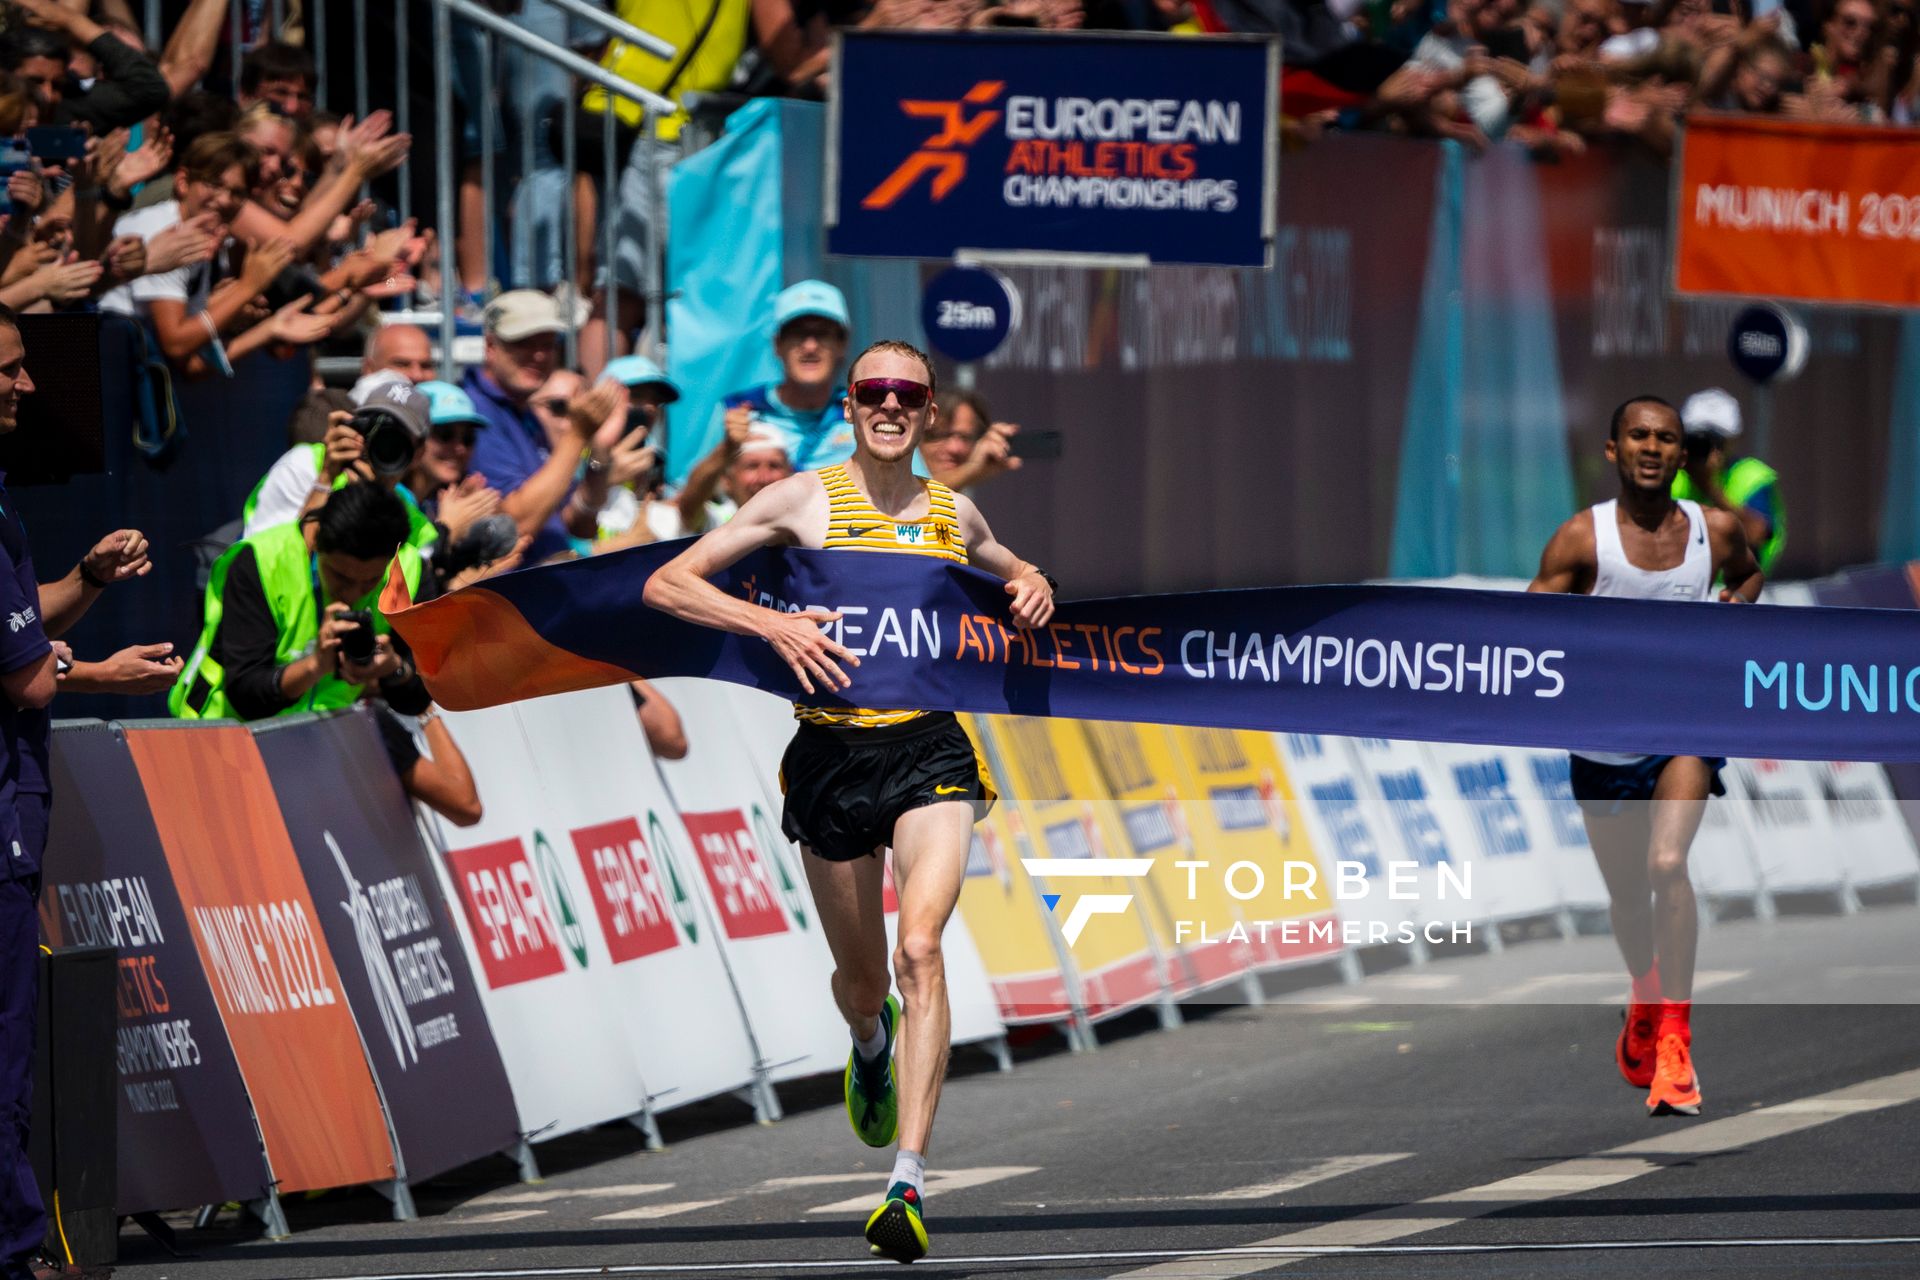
[1425, 663]
[1136, 145]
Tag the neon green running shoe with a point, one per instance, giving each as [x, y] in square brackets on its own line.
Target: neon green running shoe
[873, 1104]
[895, 1230]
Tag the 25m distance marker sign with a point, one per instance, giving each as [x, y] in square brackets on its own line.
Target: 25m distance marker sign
[1148, 147]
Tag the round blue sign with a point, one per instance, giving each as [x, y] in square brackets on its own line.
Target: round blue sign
[1766, 342]
[968, 312]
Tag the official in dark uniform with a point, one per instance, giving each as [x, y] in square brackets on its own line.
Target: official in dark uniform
[27, 681]
[29, 675]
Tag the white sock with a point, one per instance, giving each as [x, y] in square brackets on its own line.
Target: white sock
[876, 1044]
[910, 1167]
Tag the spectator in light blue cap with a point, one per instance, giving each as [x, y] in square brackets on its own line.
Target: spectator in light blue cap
[442, 480]
[635, 462]
[810, 334]
[638, 371]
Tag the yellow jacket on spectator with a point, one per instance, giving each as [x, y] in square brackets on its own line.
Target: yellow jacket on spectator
[709, 36]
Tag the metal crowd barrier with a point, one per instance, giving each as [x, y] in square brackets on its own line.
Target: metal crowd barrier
[446, 155]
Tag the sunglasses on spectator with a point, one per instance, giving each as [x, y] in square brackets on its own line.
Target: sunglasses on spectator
[873, 392]
[454, 432]
[556, 405]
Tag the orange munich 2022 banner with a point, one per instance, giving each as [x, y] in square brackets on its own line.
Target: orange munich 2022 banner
[266, 957]
[1777, 209]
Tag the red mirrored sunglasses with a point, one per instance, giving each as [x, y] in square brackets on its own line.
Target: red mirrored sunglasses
[873, 392]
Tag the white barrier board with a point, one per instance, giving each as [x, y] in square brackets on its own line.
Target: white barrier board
[542, 966]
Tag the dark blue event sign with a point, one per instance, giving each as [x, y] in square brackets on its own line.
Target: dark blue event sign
[393, 937]
[186, 1128]
[1157, 147]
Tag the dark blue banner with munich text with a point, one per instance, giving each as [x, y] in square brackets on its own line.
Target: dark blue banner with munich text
[1425, 663]
[1150, 147]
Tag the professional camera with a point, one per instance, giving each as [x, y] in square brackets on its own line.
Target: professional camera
[356, 646]
[389, 443]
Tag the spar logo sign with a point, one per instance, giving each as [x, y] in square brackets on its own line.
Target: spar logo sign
[629, 894]
[747, 877]
[516, 932]
[1087, 905]
[683, 908]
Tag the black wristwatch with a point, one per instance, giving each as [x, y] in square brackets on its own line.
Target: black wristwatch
[1047, 578]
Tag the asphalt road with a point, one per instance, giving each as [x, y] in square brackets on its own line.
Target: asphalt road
[1463, 1119]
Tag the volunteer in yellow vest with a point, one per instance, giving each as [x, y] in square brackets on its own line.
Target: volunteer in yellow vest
[289, 612]
[364, 445]
[1746, 487]
[859, 780]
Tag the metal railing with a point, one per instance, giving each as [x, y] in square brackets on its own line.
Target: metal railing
[446, 155]
[446, 175]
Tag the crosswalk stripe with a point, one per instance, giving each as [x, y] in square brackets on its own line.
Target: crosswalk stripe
[940, 1182]
[1318, 1171]
[1568, 1177]
[550, 1194]
[646, 1212]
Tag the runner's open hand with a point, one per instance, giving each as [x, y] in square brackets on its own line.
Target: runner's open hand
[802, 645]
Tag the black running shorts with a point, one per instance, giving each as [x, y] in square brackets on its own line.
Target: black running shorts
[1613, 785]
[846, 786]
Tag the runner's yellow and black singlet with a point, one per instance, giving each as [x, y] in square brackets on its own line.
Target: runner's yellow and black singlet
[854, 524]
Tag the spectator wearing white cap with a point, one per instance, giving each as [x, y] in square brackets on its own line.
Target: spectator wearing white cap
[550, 492]
[748, 458]
[1713, 477]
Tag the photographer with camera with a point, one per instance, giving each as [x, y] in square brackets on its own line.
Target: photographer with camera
[378, 442]
[1744, 487]
[292, 616]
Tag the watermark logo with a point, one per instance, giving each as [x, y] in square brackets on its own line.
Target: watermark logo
[1087, 905]
[943, 156]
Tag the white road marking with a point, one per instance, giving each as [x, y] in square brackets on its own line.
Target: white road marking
[1567, 1177]
[940, 1182]
[815, 1180]
[647, 1212]
[503, 1215]
[549, 1195]
[1266, 1254]
[1319, 1171]
[1552, 986]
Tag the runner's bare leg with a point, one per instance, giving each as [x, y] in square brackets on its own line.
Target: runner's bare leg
[929, 863]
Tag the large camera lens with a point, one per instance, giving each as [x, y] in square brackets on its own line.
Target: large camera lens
[389, 445]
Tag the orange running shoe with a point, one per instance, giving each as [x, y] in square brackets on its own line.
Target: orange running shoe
[1676, 1087]
[1633, 1052]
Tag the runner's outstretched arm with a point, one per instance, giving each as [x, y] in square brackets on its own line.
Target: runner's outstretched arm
[776, 516]
[1031, 592]
[1739, 570]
